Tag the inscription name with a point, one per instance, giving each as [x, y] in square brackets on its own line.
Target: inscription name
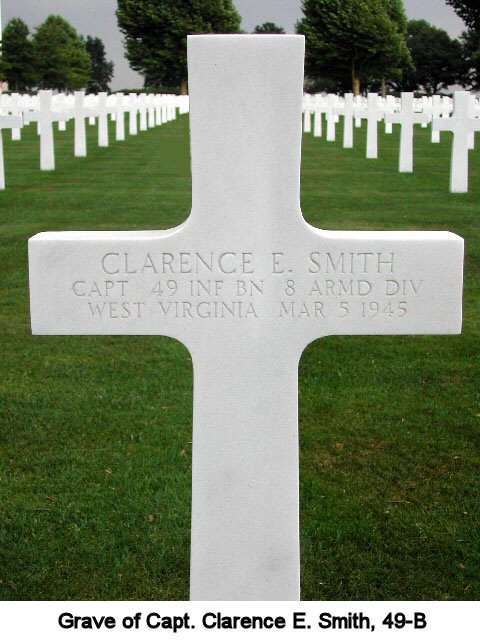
[227, 284]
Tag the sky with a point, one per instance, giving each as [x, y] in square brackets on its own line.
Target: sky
[97, 18]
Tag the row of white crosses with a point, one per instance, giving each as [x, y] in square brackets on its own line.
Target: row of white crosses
[459, 116]
[145, 110]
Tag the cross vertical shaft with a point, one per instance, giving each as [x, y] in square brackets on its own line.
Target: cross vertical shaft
[245, 514]
[245, 136]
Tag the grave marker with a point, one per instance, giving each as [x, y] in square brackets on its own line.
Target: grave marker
[143, 111]
[80, 113]
[373, 115]
[6, 122]
[45, 118]
[348, 121]
[245, 284]
[15, 110]
[103, 110]
[461, 124]
[120, 117]
[317, 116]
[330, 116]
[406, 118]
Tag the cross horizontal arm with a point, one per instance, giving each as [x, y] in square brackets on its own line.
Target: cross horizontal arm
[318, 283]
[11, 122]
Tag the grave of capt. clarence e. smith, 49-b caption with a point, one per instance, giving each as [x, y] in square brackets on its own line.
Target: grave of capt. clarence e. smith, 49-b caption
[246, 284]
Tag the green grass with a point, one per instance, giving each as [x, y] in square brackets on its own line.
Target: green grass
[95, 431]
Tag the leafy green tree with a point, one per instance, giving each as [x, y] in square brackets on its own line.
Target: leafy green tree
[470, 41]
[437, 59]
[468, 10]
[62, 59]
[18, 61]
[156, 34]
[362, 39]
[268, 27]
[102, 70]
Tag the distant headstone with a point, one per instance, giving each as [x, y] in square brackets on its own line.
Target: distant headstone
[103, 110]
[143, 112]
[45, 117]
[436, 113]
[80, 113]
[373, 115]
[246, 284]
[331, 117]
[120, 117]
[151, 111]
[348, 121]
[462, 123]
[406, 118]
[6, 122]
[318, 117]
[133, 114]
[16, 111]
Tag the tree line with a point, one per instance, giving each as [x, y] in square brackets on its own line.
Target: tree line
[371, 44]
[55, 56]
[350, 45]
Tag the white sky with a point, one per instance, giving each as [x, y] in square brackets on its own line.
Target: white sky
[97, 18]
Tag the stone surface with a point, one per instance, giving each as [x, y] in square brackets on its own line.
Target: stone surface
[462, 124]
[373, 115]
[80, 113]
[102, 110]
[406, 118]
[348, 121]
[246, 284]
[133, 114]
[6, 122]
[45, 118]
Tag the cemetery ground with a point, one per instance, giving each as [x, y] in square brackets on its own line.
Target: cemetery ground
[95, 432]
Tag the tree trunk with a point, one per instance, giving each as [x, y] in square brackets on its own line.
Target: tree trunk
[184, 87]
[384, 88]
[355, 82]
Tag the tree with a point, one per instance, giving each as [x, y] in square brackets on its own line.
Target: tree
[468, 10]
[101, 69]
[18, 62]
[62, 59]
[268, 27]
[156, 34]
[437, 59]
[362, 39]
[470, 43]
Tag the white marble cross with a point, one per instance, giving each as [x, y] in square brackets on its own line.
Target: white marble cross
[317, 116]
[390, 106]
[462, 124]
[81, 111]
[331, 116]
[120, 117]
[133, 114]
[406, 118]
[151, 111]
[158, 110]
[307, 113]
[45, 117]
[373, 115]
[103, 109]
[6, 122]
[245, 283]
[436, 113]
[348, 121]
[15, 110]
[142, 108]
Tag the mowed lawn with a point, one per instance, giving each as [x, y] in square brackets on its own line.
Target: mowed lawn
[95, 432]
